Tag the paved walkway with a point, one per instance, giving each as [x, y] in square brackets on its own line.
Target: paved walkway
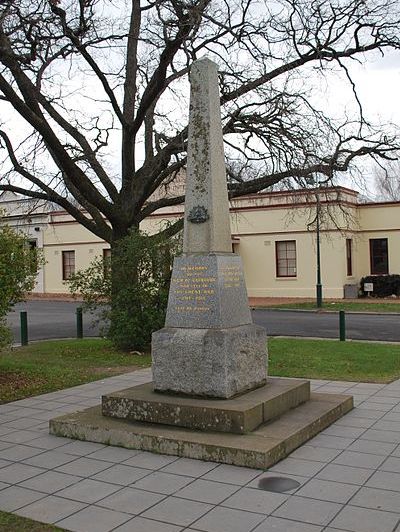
[349, 474]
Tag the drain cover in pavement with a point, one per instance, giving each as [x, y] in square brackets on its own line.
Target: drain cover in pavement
[278, 484]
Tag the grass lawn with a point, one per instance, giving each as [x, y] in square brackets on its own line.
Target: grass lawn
[46, 366]
[334, 360]
[353, 306]
[15, 523]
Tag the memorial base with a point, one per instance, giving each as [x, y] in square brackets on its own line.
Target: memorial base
[261, 448]
[238, 415]
[209, 362]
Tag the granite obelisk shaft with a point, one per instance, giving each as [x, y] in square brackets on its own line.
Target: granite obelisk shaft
[206, 190]
[209, 346]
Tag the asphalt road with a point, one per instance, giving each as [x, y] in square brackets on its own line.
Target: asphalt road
[326, 324]
[56, 319]
[50, 319]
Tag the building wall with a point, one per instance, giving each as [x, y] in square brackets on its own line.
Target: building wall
[257, 223]
[64, 234]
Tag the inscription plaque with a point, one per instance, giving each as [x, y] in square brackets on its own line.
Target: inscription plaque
[207, 291]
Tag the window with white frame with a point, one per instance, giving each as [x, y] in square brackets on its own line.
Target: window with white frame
[285, 253]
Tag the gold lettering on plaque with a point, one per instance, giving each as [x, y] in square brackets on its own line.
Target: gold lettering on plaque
[192, 288]
[231, 276]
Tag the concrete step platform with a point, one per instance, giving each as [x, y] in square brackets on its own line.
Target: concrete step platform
[259, 449]
[240, 414]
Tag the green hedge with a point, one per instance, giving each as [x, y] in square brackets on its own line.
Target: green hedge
[384, 285]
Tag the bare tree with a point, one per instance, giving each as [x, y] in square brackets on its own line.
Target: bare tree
[91, 76]
[387, 180]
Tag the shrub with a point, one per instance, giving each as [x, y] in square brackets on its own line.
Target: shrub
[129, 293]
[384, 285]
[18, 268]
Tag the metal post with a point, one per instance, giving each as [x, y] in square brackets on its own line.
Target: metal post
[319, 284]
[24, 327]
[342, 326]
[79, 323]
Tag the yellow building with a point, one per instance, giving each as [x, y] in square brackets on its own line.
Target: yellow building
[275, 234]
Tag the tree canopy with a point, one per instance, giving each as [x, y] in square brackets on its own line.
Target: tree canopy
[101, 90]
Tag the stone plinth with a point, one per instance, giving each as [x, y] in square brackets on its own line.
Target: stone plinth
[260, 449]
[209, 346]
[209, 362]
[239, 415]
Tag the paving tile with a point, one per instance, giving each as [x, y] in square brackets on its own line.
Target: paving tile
[379, 407]
[368, 414]
[373, 447]
[5, 418]
[5, 445]
[4, 463]
[121, 474]
[94, 519]
[150, 460]
[381, 479]
[277, 524]
[224, 519]
[303, 468]
[22, 423]
[318, 454]
[371, 386]
[89, 491]
[385, 399]
[232, 474]
[253, 500]
[354, 459]
[391, 464]
[207, 491]
[50, 459]
[390, 425]
[391, 416]
[389, 391]
[326, 490]
[18, 436]
[84, 467]
[386, 436]
[329, 529]
[166, 483]
[50, 482]
[140, 524]
[330, 442]
[15, 497]
[4, 431]
[355, 421]
[343, 432]
[131, 500]
[308, 510]
[50, 509]
[189, 467]
[48, 441]
[113, 454]
[377, 499]
[178, 511]
[81, 448]
[365, 520]
[346, 474]
[18, 472]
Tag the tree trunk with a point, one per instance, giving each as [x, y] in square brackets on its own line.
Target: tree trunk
[138, 290]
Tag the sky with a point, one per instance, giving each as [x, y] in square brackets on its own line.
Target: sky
[378, 85]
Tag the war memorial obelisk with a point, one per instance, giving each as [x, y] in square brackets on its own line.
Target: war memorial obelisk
[210, 397]
[209, 346]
